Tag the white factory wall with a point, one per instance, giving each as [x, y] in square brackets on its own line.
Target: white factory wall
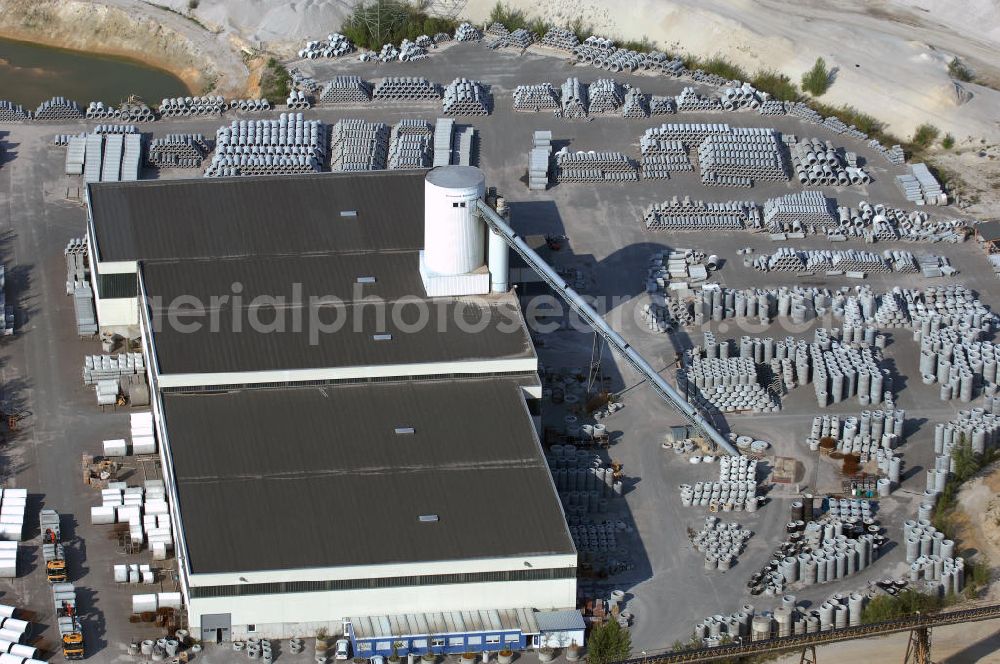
[337, 373]
[459, 566]
[119, 313]
[297, 614]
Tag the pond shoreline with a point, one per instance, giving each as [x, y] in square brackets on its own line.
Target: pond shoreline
[144, 34]
[172, 85]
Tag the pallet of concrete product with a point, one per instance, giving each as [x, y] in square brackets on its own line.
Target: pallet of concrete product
[287, 145]
[538, 169]
[75, 254]
[131, 158]
[772, 107]
[541, 97]
[410, 144]
[177, 151]
[12, 505]
[659, 105]
[574, 98]
[10, 112]
[58, 108]
[604, 96]
[467, 32]
[346, 90]
[111, 165]
[686, 132]
[803, 112]
[7, 324]
[93, 154]
[76, 152]
[111, 367]
[685, 214]
[560, 38]
[406, 87]
[744, 153]
[893, 155]
[660, 166]
[808, 208]
[465, 97]
[636, 105]
[444, 130]
[465, 146]
[83, 309]
[739, 95]
[594, 167]
[359, 145]
[690, 100]
[523, 38]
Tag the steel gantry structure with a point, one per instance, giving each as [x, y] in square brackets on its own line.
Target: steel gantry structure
[917, 652]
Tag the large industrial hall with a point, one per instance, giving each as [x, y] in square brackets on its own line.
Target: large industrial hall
[335, 461]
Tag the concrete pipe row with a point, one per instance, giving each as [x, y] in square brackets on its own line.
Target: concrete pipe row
[334, 46]
[346, 90]
[58, 108]
[465, 97]
[406, 87]
[11, 112]
[541, 97]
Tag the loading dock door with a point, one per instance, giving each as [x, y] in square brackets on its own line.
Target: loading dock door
[215, 627]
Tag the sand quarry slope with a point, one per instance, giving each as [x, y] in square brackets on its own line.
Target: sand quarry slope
[891, 55]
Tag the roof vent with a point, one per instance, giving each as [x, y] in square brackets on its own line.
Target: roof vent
[405, 430]
[366, 280]
[382, 337]
[428, 518]
[348, 213]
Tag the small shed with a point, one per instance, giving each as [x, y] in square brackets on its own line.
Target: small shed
[560, 629]
[988, 234]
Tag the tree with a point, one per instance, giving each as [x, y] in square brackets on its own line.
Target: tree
[816, 81]
[609, 642]
[966, 461]
[925, 134]
[948, 142]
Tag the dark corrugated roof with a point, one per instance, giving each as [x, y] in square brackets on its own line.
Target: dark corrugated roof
[474, 328]
[396, 275]
[258, 216]
[316, 477]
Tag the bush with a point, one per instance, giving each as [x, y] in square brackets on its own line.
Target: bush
[373, 24]
[511, 18]
[924, 135]
[275, 82]
[948, 142]
[538, 26]
[908, 602]
[776, 84]
[959, 71]
[719, 66]
[193, 4]
[641, 45]
[580, 29]
[608, 643]
[816, 81]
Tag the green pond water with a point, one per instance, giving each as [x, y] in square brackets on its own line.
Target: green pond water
[30, 74]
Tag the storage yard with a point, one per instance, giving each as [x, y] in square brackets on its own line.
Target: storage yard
[799, 248]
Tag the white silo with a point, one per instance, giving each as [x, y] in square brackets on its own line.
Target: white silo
[453, 261]
[454, 236]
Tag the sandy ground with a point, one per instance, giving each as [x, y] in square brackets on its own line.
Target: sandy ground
[203, 59]
[894, 65]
